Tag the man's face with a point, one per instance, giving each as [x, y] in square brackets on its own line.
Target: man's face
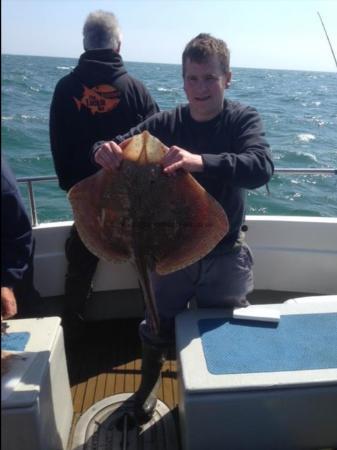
[204, 84]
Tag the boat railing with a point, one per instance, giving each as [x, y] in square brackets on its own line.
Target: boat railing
[32, 204]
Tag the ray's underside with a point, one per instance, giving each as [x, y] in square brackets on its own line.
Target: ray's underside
[161, 223]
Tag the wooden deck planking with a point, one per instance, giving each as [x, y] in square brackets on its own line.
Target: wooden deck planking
[107, 361]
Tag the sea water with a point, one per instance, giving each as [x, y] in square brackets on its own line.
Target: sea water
[298, 108]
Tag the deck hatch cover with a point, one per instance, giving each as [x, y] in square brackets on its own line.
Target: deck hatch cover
[99, 428]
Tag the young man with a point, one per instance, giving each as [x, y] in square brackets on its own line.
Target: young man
[222, 144]
[96, 101]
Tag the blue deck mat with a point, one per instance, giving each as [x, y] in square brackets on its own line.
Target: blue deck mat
[297, 342]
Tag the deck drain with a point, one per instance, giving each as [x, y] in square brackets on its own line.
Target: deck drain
[109, 424]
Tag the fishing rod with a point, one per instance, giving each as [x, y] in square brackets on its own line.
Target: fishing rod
[333, 53]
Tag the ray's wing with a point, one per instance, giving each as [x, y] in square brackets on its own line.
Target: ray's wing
[98, 204]
[195, 223]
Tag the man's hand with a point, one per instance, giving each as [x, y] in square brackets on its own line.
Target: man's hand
[8, 303]
[109, 155]
[177, 158]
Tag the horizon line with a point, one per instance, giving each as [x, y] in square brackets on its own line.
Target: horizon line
[172, 64]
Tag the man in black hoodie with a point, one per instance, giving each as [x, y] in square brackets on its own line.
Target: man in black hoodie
[95, 102]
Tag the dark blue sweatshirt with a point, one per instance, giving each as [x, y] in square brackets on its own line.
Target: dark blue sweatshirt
[16, 231]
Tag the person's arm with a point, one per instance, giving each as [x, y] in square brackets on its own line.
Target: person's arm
[16, 240]
[249, 165]
[60, 140]
[178, 158]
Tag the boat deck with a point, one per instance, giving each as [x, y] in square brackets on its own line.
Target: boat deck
[106, 360]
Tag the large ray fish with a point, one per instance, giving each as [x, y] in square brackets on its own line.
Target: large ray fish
[161, 223]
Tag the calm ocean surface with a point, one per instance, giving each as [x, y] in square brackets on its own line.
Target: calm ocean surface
[299, 110]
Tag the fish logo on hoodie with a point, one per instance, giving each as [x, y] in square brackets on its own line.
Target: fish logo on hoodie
[99, 99]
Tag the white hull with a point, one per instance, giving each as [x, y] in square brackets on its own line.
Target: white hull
[292, 254]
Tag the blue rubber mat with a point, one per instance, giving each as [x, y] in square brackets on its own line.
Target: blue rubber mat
[15, 341]
[297, 342]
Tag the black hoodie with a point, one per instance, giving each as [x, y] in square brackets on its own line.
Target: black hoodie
[97, 101]
[16, 231]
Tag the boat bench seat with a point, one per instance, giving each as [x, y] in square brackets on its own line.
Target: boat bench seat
[314, 299]
[36, 403]
[248, 384]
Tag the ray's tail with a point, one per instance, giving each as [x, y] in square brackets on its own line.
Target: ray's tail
[150, 302]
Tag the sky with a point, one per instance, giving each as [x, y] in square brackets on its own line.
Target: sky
[273, 34]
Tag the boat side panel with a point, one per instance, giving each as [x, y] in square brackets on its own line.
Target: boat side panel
[291, 254]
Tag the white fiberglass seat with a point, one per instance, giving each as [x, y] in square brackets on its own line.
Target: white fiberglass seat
[314, 299]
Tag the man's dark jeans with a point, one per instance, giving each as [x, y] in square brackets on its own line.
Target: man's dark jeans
[82, 265]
